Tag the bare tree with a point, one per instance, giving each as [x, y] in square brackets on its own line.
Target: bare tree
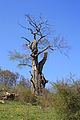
[37, 46]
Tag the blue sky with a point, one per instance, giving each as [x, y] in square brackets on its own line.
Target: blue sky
[64, 14]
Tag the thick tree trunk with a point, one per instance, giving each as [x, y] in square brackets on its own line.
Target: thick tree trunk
[38, 80]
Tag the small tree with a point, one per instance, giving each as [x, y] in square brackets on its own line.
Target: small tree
[8, 79]
[40, 44]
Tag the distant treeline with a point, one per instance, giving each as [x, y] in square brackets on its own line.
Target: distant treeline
[11, 80]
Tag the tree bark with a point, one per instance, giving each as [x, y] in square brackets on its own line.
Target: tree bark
[38, 80]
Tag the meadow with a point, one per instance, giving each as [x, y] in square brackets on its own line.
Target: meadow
[18, 111]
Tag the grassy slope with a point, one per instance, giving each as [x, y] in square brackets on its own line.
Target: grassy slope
[17, 111]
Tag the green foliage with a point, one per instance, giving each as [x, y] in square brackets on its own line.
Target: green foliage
[67, 100]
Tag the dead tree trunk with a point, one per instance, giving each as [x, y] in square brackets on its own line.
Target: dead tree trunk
[38, 80]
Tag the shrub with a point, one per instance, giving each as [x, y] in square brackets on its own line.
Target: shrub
[25, 95]
[67, 100]
[46, 100]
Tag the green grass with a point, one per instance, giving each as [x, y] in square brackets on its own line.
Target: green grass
[18, 111]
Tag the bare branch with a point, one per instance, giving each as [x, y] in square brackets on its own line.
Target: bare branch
[43, 50]
[29, 46]
[26, 39]
[52, 48]
[22, 26]
[31, 30]
[31, 21]
[24, 64]
[37, 27]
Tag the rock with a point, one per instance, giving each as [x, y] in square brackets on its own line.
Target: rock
[2, 101]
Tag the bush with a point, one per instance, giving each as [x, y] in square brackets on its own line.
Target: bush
[67, 100]
[46, 100]
[25, 95]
